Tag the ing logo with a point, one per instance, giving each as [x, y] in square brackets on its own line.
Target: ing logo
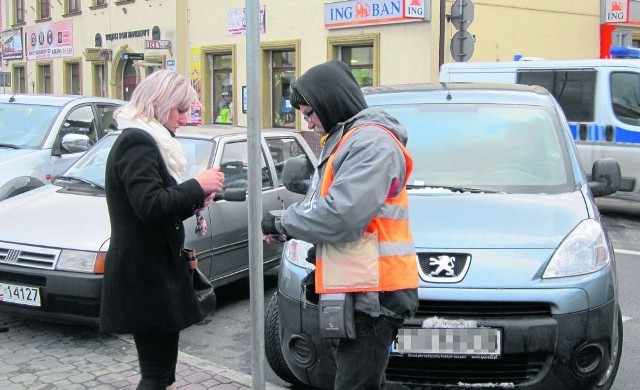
[362, 10]
[616, 6]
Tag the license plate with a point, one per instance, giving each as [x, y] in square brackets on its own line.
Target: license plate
[479, 343]
[21, 295]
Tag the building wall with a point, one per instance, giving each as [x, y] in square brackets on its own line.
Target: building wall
[406, 52]
[533, 28]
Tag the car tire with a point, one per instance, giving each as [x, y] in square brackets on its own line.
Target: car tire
[272, 347]
[607, 381]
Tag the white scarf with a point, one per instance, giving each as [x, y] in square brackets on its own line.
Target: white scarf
[170, 148]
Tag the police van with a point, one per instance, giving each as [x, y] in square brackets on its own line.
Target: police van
[600, 98]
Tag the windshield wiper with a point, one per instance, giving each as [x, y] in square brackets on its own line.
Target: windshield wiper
[81, 180]
[460, 189]
[10, 146]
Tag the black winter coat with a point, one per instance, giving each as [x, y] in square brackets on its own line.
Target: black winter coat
[146, 285]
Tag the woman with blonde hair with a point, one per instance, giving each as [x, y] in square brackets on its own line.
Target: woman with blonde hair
[146, 289]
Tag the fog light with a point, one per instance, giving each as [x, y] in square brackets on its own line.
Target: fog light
[587, 358]
[302, 350]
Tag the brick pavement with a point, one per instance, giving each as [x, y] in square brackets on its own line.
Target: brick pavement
[37, 355]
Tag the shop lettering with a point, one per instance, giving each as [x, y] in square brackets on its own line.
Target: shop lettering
[414, 11]
[371, 10]
[615, 16]
[385, 10]
[127, 34]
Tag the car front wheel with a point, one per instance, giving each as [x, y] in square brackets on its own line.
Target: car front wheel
[273, 348]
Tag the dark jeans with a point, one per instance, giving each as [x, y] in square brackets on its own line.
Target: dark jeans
[158, 356]
[361, 362]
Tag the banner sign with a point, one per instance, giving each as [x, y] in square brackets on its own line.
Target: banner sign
[50, 40]
[374, 12]
[12, 48]
[237, 21]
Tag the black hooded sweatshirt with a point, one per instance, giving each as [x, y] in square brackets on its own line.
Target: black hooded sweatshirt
[335, 102]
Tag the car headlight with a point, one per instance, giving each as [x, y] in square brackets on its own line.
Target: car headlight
[583, 251]
[296, 252]
[81, 261]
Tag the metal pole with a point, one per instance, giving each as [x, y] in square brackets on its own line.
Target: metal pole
[443, 5]
[255, 195]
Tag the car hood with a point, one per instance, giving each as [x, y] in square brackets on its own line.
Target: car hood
[448, 220]
[14, 159]
[49, 216]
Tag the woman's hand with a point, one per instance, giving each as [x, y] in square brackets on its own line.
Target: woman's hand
[211, 181]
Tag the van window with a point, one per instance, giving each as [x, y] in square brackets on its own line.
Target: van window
[625, 97]
[573, 89]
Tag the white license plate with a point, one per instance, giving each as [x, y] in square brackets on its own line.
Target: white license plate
[479, 343]
[22, 295]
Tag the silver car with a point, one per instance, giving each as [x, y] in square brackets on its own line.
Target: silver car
[53, 240]
[41, 135]
[518, 285]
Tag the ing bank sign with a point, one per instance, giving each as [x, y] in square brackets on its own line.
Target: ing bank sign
[372, 12]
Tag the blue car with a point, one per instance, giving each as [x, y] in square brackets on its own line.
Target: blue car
[518, 285]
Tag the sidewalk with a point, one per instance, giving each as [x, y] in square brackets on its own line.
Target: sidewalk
[36, 355]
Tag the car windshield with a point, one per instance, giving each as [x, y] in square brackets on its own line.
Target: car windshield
[91, 167]
[25, 125]
[476, 147]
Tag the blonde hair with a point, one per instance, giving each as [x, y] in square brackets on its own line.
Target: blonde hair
[158, 93]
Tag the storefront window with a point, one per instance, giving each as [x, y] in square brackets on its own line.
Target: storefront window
[282, 75]
[222, 88]
[360, 60]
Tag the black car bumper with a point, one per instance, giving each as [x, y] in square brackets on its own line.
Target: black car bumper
[569, 351]
[69, 297]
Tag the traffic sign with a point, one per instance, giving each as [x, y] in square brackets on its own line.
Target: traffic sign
[462, 14]
[462, 46]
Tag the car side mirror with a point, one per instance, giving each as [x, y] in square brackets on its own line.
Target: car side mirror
[296, 174]
[75, 143]
[606, 177]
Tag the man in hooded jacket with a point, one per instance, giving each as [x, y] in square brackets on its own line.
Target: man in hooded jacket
[358, 189]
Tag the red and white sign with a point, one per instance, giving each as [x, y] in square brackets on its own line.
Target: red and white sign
[616, 11]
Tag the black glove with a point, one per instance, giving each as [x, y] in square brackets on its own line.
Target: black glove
[271, 223]
[311, 255]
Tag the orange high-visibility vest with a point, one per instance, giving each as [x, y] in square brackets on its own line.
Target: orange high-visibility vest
[396, 264]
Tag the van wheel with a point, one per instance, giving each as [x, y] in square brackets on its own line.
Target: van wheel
[272, 347]
[616, 353]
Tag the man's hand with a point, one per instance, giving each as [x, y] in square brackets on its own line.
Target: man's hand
[272, 228]
[273, 238]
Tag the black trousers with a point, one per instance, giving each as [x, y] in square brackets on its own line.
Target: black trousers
[158, 356]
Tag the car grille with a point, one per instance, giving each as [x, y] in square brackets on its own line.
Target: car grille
[24, 256]
[514, 369]
[474, 310]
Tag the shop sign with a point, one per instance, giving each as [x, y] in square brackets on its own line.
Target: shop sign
[50, 40]
[132, 56]
[97, 54]
[616, 11]
[157, 44]
[12, 44]
[373, 12]
[237, 21]
[127, 35]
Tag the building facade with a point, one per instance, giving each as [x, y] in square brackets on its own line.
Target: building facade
[105, 47]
